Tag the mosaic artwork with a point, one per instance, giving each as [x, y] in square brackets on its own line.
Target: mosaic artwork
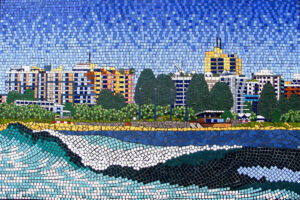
[150, 99]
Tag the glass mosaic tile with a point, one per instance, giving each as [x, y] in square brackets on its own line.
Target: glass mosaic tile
[150, 99]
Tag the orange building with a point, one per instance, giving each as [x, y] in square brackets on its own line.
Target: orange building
[100, 78]
[3, 98]
[292, 87]
[119, 81]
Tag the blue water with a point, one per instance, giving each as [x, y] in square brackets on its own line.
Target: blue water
[41, 169]
[250, 138]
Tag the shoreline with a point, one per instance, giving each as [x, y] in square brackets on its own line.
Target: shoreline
[73, 127]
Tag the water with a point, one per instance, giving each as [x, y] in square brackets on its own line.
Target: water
[252, 138]
[43, 166]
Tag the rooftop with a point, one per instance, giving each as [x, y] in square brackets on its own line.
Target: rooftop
[209, 111]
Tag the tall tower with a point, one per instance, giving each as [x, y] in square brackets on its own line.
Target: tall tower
[217, 62]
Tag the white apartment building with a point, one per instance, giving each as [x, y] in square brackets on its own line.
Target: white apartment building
[265, 76]
[181, 84]
[44, 104]
[237, 85]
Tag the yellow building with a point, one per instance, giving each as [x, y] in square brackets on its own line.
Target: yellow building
[217, 62]
[119, 81]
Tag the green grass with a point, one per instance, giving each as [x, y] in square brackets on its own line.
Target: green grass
[158, 119]
[268, 124]
[295, 124]
[6, 121]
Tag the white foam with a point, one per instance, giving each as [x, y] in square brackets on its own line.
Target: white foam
[101, 157]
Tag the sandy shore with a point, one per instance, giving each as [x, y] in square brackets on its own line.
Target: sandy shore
[73, 127]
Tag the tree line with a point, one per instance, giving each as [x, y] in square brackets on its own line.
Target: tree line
[273, 110]
[199, 97]
[14, 95]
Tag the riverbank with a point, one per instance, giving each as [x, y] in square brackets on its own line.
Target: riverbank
[99, 127]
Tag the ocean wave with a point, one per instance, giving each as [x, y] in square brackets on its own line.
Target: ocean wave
[100, 157]
[246, 138]
[38, 165]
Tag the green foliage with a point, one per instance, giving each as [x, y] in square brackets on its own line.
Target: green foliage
[7, 121]
[164, 85]
[171, 74]
[105, 99]
[248, 107]
[132, 71]
[198, 93]
[14, 95]
[82, 111]
[11, 111]
[119, 101]
[108, 100]
[283, 105]
[227, 114]
[28, 95]
[291, 116]
[276, 116]
[121, 71]
[147, 111]
[179, 112]
[267, 101]
[96, 113]
[253, 116]
[131, 110]
[294, 102]
[68, 106]
[254, 124]
[235, 115]
[220, 97]
[147, 83]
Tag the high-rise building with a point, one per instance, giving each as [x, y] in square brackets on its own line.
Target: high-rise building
[217, 62]
[251, 93]
[292, 87]
[60, 86]
[182, 82]
[21, 79]
[84, 83]
[119, 81]
[81, 85]
[265, 76]
[237, 85]
[55, 85]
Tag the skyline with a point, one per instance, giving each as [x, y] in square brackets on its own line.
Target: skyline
[145, 34]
